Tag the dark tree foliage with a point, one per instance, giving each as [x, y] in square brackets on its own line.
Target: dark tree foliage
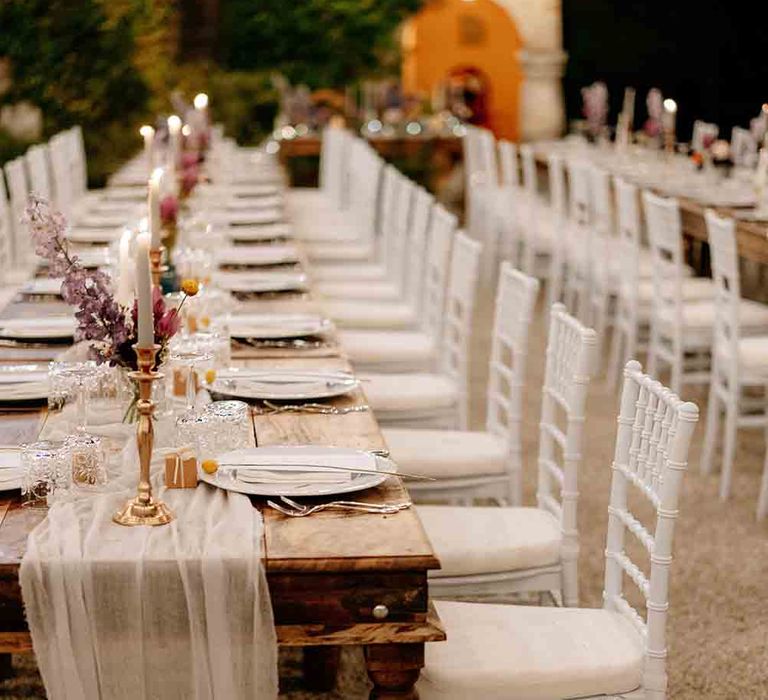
[322, 43]
[76, 65]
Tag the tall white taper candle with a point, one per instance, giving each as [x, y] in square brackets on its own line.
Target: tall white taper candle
[146, 336]
[155, 192]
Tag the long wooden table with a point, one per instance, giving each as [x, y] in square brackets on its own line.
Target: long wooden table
[751, 237]
[335, 579]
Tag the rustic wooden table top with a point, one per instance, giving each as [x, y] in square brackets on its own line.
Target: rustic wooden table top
[326, 572]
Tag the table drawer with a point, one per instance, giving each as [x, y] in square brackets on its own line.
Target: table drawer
[350, 597]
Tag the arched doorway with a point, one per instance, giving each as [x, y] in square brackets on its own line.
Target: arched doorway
[467, 45]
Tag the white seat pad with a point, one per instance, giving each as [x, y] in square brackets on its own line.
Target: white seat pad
[700, 315]
[447, 454]
[487, 540]
[352, 252]
[409, 392]
[753, 355]
[693, 289]
[376, 289]
[367, 314]
[358, 272]
[501, 652]
[369, 347]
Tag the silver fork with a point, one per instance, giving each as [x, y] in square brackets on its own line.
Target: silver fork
[272, 408]
[297, 510]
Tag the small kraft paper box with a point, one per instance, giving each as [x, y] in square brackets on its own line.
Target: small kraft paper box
[181, 469]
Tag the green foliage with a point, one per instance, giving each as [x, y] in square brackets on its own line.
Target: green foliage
[322, 43]
[71, 60]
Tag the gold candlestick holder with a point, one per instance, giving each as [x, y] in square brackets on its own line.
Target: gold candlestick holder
[157, 267]
[144, 509]
[669, 141]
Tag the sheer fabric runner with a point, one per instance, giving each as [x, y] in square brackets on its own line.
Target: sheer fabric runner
[179, 611]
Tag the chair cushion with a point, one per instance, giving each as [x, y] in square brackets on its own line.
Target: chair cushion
[500, 652]
[693, 288]
[700, 315]
[447, 454]
[350, 251]
[359, 272]
[369, 347]
[375, 289]
[366, 314]
[753, 355]
[488, 539]
[409, 392]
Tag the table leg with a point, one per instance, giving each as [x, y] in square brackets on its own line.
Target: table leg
[394, 670]
[320, 667]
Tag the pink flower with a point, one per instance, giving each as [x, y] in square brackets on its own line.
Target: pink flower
[169, 209]
[188, 159]
[189, 179]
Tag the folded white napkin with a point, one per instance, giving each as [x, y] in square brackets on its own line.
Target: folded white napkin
[10, 465]
[259, 233]
[43, 285]
[260, 281]
[256, 255]
[264, 324]
[54, 326]
[23, 376]
[254, 203]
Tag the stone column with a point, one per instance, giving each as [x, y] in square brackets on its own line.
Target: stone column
[542, 108]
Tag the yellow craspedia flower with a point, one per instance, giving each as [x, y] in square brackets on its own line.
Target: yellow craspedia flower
[205, 321]
[190, 286]
[210, 376]
[210, 466]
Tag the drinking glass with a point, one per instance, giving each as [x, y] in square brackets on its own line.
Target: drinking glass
[88, 458]
[232, 424]
[70, 380]
[45, 473]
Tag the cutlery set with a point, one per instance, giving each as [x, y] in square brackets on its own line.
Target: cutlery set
[294, 509]
[269, 408]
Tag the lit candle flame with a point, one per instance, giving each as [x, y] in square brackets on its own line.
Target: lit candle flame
[201, 100]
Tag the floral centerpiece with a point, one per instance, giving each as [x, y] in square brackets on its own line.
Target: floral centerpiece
[109, 327]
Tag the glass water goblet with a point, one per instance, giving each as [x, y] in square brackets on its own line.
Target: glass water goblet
[45, 476]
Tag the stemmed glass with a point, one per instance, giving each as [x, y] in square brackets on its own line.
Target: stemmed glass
[78, 378]
[188, 356]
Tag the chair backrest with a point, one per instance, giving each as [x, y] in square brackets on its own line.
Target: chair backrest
[704, 134]
[442, 227]
[725, 273]
[628, 229]
[558, 199]
[743, 147]
[39, 171]
[530, 180]
[62, 172]
[480, 163]
[579, 193]
[6, 232]
[662, 219]
[333, 162]
[79, 163]
[570, 364]
[601, 200]
[402, 228]
[651, 454]
[515, 299]
[415, 261]
[18, 194]
[365, 175]
[508, 164]
[388, 194]
[459, 315]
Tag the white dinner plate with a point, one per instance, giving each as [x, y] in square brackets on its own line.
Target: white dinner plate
[277, 326]
[257, 255]
[94, 235]
[55, 328]
[11, 470]
[283, 384]
[258, 233]
[50, 286]
[272, 281]
[255, 217]
[23, 383]
[284, 475]
[253, 204]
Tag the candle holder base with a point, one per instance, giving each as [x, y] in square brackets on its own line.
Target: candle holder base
[137, 513]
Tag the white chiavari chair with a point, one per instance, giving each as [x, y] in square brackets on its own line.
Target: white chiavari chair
[395, 315]
[441, 398]
[411, 350]
[480, 463]
[681, 328]
[578, 241]
[704, 134]
[580, 653]
[539, 220]
[79, 162]
[39, 171]
[354, 238]
[509, 210]
[738, 363]
[18, 194]
[376, 279]
[501, 551]
[743, 148]
[6, 238]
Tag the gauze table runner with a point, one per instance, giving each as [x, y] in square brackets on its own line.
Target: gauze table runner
[179, 611]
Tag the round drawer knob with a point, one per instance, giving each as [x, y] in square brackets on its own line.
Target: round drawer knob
[380, 612]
